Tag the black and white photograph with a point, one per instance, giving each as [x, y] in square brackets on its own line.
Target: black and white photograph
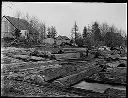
[63, 49]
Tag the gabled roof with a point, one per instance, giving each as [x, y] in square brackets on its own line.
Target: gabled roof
[18, 23]
[62, 37]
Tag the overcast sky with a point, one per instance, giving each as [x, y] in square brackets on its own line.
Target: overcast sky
[63, 15]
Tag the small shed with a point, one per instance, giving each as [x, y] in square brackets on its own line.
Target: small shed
[49, 41]
[24, 33]
[62, 39]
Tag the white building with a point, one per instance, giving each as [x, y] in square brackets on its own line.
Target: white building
[62, 39]
[24, 33]
[49, 41]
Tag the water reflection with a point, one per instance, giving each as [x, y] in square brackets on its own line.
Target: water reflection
[97, 87]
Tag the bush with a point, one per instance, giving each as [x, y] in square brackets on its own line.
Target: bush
[79, 42]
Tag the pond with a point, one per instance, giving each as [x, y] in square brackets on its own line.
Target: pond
[97, 87]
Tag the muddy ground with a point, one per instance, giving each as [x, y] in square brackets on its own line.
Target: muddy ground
[13, 87]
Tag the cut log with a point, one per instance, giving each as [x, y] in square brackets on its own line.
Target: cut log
[53, 73]
[21, 56]
[67, 56]
[116, 56]
[50, 74]
[25, 65]
[115, 93]
[75, 78]
[9, 60]
[36, 79]
[114, 75]
[113, 64]
[36, 58]
[117, 64]
[123, 58]
[74, 49]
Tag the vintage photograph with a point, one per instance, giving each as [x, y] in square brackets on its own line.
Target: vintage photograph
[63, 49]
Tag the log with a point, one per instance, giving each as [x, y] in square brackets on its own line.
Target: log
[21, 56]
[36, 58]
[123, 58]
[53, 73]
[25, 65]
[115, 75]
[116, 56]
[49, 74]
[8, 60]
[75, 78]
[115, 93]
[36, 79]
[67, 56]
[39, 77]
[74, 49]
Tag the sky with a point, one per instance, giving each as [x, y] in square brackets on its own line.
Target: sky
[64, 15]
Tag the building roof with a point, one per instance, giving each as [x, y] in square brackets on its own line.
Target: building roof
[18, 23]
[62, 37]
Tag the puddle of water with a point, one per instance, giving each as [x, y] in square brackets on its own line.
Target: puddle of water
[97, 87]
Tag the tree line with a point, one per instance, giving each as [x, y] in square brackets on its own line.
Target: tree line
[94, 34]
[98, 35]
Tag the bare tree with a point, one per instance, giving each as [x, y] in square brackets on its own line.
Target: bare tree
[42, 32]
[18, 15]
[33, 27]
[52, 32]
[34, 22]
[104, 28]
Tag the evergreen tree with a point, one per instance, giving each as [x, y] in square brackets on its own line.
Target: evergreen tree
[48, 32]
[85, 32]
[75, 33]
[96, 31]
[53, 32]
